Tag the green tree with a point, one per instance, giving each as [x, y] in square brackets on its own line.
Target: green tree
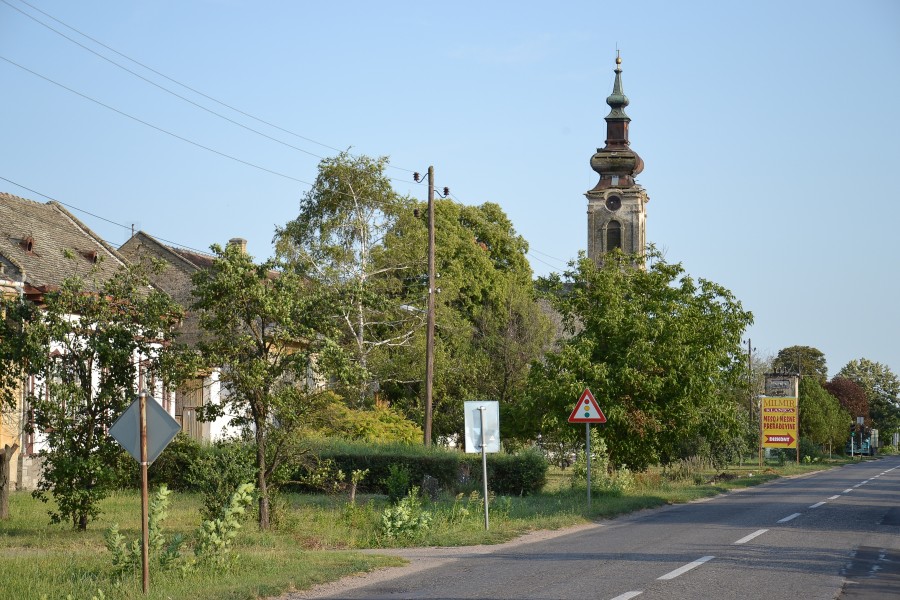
[822, 420]
[266, 328]
[805, 360]
[882, 389]
[86, 346]
[658, 349]
[489, 326]
[337, 242]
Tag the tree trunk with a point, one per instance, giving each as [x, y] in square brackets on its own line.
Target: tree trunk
[6, 455]
[261, 477]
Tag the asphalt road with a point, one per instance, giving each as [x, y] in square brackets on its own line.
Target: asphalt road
[833, 534]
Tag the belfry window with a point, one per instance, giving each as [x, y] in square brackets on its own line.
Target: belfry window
[613, 235]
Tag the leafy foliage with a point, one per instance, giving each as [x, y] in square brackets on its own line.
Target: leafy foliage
[822, 420]
[166, 553]
[266, 327]
[337, 244]
[805, 360]
[219, 471]
[86, 346]
[397, 483]
[378, 424]
[215, 538]
[406, 518]
[658, 349]
[603, 479]
[490, 326]
[851, 397]
[882, 388]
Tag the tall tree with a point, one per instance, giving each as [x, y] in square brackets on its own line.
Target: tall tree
[822, 420]
[86, 347]
[656, 347]
[851, 397]
[805, 360]
[489, 324]
[882, 389]
[266, 328]
[337, 242]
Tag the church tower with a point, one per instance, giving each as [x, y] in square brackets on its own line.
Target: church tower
[617, 210]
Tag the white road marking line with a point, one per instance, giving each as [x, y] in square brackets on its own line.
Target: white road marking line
[628, 595]
[817, 505]
[747, 538]
[835, 497]
[789, 518]
[857, 485]
[685, 568]
[847, 491]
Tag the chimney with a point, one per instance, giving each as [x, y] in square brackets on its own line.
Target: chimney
[241, 243]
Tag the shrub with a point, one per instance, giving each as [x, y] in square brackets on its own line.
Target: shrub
[128, 556]
[397, 483]
[685, 469]
[809, 450]
[172, 466]
[406, 518]
[219, 471]
[216, 536]
[519, 474]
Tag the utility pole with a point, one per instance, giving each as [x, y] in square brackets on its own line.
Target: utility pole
[429, 339]
[750, 373]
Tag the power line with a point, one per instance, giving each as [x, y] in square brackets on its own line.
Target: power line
[548, 256]
[96, 216]
[167, 90]
[160, 129]
[185, 86]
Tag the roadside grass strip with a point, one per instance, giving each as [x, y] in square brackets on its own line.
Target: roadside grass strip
[790, 518]
[685, 568]
[753, 535]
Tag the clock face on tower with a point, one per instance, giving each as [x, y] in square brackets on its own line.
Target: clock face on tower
[613, 203]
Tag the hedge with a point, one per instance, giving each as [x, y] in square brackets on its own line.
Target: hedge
[508, 474]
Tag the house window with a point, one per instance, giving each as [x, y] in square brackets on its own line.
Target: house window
[613, 235]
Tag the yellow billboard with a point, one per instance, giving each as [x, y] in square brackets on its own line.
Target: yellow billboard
[780, 422]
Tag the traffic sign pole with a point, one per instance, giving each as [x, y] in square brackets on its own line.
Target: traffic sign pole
[587, 411]
[481, 410]
[587, 446]
[145, 497]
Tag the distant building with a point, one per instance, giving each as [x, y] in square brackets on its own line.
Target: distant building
[617, 205]
[178, 267]
[42, 245]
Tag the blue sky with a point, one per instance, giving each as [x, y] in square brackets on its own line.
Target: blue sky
[769, 129]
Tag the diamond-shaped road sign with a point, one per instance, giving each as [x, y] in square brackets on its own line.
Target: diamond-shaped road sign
[161, 428]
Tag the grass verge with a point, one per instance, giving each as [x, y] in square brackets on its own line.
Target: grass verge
[315, 538]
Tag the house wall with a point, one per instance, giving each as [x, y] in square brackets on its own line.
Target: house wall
[28, 464]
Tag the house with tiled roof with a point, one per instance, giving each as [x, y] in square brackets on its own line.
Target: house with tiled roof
[178, 267]
[42, 245]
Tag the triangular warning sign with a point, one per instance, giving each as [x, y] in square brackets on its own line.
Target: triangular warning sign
[587, 410]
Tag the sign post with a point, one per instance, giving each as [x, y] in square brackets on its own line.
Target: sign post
[587, 411]
[483, 435]
[144, 430]
[145, 497]
[780, 413]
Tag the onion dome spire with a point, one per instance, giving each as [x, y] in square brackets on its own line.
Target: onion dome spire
[617, 100]
[616, 163]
